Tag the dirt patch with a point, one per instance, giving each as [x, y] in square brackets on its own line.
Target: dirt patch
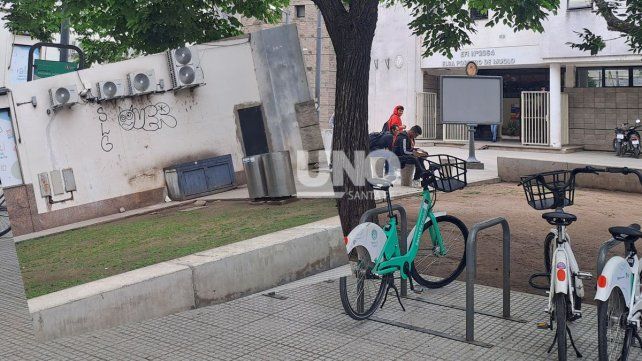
[596, 211]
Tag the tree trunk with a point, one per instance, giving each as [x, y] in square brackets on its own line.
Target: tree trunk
[351, 32]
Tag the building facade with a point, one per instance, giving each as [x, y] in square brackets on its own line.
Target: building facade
[553, 95]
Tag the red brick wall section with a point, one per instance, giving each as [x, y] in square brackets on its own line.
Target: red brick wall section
[24, 217]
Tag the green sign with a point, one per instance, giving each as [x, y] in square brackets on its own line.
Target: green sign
[47, 68]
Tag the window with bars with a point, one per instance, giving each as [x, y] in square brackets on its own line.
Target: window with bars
[589, 78]
[616, 77]
[609, 77]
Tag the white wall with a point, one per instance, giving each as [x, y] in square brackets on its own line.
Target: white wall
[500, 47]
[204, 125]
[395, 76]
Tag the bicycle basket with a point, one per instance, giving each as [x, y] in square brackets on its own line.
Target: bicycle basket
[540, 197]
[448, 172]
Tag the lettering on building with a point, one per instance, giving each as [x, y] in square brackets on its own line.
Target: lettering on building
[482, 57]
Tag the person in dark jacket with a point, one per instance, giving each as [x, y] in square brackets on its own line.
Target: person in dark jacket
[404, 149]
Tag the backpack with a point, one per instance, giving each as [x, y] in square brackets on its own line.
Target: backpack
[374, 139]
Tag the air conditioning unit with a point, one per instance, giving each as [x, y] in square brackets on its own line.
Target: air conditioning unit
[111, 89]
[185, 67]
[142, 83]
[63, 96]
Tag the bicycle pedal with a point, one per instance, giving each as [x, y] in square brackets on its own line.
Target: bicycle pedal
[418, 289]
[584, 275]
[543, 325]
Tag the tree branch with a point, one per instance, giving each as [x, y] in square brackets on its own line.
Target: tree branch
[613, 22]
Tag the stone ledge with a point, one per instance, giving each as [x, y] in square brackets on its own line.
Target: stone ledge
[198, 280]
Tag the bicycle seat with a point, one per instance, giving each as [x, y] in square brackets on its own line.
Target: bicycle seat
[559, 218]
[380, 184]
[626, 234]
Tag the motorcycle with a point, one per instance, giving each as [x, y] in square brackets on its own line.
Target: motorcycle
[627, 139]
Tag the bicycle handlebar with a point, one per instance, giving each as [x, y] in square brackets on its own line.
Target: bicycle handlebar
[587, 169]
[574, 172]
[625, 171]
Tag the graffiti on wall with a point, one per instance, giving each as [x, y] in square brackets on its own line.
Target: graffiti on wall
[149, 118]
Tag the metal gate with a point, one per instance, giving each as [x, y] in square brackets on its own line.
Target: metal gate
[535, 111]
[455, 132]
[427, 114]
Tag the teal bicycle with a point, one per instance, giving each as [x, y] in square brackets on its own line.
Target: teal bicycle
[436, 252]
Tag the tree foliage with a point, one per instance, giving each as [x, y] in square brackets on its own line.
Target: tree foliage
[446, 26]
[110, 30]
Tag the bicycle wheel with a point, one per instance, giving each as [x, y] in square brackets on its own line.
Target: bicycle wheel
[362, 291]
[561, 308]
[613, 336]
[549, 248]
[434, 270]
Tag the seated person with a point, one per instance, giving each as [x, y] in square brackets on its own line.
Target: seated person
[403, 148]
[383, 140]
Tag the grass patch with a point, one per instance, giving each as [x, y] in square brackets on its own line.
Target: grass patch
[71, 258]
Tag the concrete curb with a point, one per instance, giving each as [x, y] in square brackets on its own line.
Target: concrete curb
[510, 170]
[198, 280]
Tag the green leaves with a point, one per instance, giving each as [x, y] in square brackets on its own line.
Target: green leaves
[111, 30]
[590, 42]
[446, 26]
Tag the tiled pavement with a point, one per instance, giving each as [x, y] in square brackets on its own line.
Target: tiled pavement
[307, 325]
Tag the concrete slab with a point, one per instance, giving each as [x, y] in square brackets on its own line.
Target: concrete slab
[307, 322]
[158, 290]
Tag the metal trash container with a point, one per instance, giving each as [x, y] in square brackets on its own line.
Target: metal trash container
[278, 174]
[255, 176]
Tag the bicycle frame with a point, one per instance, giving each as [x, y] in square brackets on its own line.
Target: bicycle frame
[563, 267]
[390, 260]
[619, 273]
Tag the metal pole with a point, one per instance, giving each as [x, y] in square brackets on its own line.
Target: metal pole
[506, 268]
[64, 39]
[471, 272]
[471, 261]
[317, 77]
[403, 244]
[471, 144]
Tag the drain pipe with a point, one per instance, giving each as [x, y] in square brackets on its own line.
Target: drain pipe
[317, 78]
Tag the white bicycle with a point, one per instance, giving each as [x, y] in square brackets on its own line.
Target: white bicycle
[619, 301]
[556, 190]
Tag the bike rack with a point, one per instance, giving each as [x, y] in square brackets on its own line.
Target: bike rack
[601, 255]
[471, 271]
[369, 216]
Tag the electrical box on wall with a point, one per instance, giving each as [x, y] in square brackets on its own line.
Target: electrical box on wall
[43, 181]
